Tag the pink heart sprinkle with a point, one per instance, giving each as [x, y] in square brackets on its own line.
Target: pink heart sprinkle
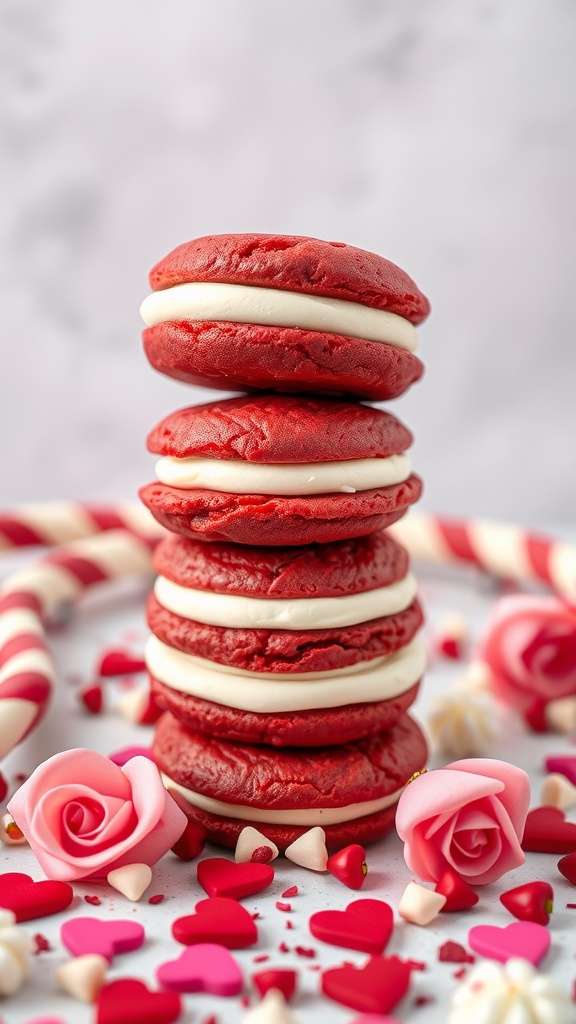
[83, 935]
[205, 967]
[525, 939]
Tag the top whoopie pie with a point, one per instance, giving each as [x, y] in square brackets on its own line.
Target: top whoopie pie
[285, 313]
[280, 469]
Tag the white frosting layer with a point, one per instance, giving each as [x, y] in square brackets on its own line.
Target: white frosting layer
[236, 477]
[239, 612]
[269, 692]
[274, 307]
[294, 816]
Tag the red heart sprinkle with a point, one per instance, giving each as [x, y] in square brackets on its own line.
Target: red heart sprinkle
[119, 663]
[217, 920]
[281, 978]
[221, 877]
[567, 867]
[547, 831]
[128, 1001]
[530, 902]
[459, 894]
[28, 899]
[365, 925]
[377, 987]
[349, 866]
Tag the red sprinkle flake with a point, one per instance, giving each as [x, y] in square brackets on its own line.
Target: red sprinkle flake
[459, 973]
[20, 777]
[210, 1020]
[283, 948]
[262, 855]
[571, 906]
[305, 951]
[292, 891]
[423, 1000]
[315, 967]
[416, 965]
[255, 915]
[244, 1002]
[454, 953]
[42, 944]
[157, 899]
[284, 907]
[289, 923]
[94, 901]
[260, 959]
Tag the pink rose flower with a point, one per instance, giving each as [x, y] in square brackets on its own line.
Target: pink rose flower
[469, 816]
[84, 816]
[530, 648]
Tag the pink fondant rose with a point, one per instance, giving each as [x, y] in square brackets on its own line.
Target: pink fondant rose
[468, 816]
[530, 648]
[84, 816]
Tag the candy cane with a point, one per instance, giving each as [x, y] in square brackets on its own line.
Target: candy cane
[504, 550]
[33, 595]
[60, 522]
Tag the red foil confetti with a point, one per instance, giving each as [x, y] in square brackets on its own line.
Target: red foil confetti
[41, 943]
[284, 907]
[292, 891]
[453, 953]
[94, 901]
[159, 898]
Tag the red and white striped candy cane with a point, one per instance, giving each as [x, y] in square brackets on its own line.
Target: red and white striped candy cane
[50, 523]
[32, 596]
[504, 550]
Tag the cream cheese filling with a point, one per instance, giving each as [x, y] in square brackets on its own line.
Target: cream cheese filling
[238, 612]
[239, 477]
[378, 679]
[294, 816]
[275, 307]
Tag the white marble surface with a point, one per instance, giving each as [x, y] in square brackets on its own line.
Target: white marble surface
[438, 133]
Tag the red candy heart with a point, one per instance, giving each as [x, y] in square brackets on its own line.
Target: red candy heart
[365, 925]
[128, 1001]
[530, 902]
[221, 877]
[218, 920]
[28, 899]
[375, 988]
[281, 978]
[567, 867]
[547, 831]
[459, 894]
[349, 866]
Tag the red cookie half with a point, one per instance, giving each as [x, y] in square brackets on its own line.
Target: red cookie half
[224, 353]
[268, 520]
[358, 783]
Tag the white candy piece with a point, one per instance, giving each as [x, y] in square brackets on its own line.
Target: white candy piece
[558, 791]
[132, 880]
[478, 676]
[271, 1010]
[561, 715]
[15, 948]
[309, 851]
[5, 836]
[419, 905]
[463, 724]
[132, 705]
[83, 977]
[251, 839]
[510, 993]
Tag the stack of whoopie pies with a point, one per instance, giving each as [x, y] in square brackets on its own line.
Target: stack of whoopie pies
[284, 619]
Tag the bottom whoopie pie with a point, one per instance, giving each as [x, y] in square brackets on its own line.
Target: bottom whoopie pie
[351, 791]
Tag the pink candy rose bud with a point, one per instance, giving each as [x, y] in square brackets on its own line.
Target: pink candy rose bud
[530, 648]
[469, 816]
[84, 816]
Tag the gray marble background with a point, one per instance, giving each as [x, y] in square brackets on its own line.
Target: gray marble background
[440, 133]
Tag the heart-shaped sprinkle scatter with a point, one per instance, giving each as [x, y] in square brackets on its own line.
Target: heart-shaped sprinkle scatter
[221, 877]
[365, 925]
[377, 987]
[567, 867]
[523, 939]
[83, 935]
[202, 968]
[282, 979]
[217, 919]
[28, 899]
[547, 831]
[349, 866]
[530, 902]
[129, 1001]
